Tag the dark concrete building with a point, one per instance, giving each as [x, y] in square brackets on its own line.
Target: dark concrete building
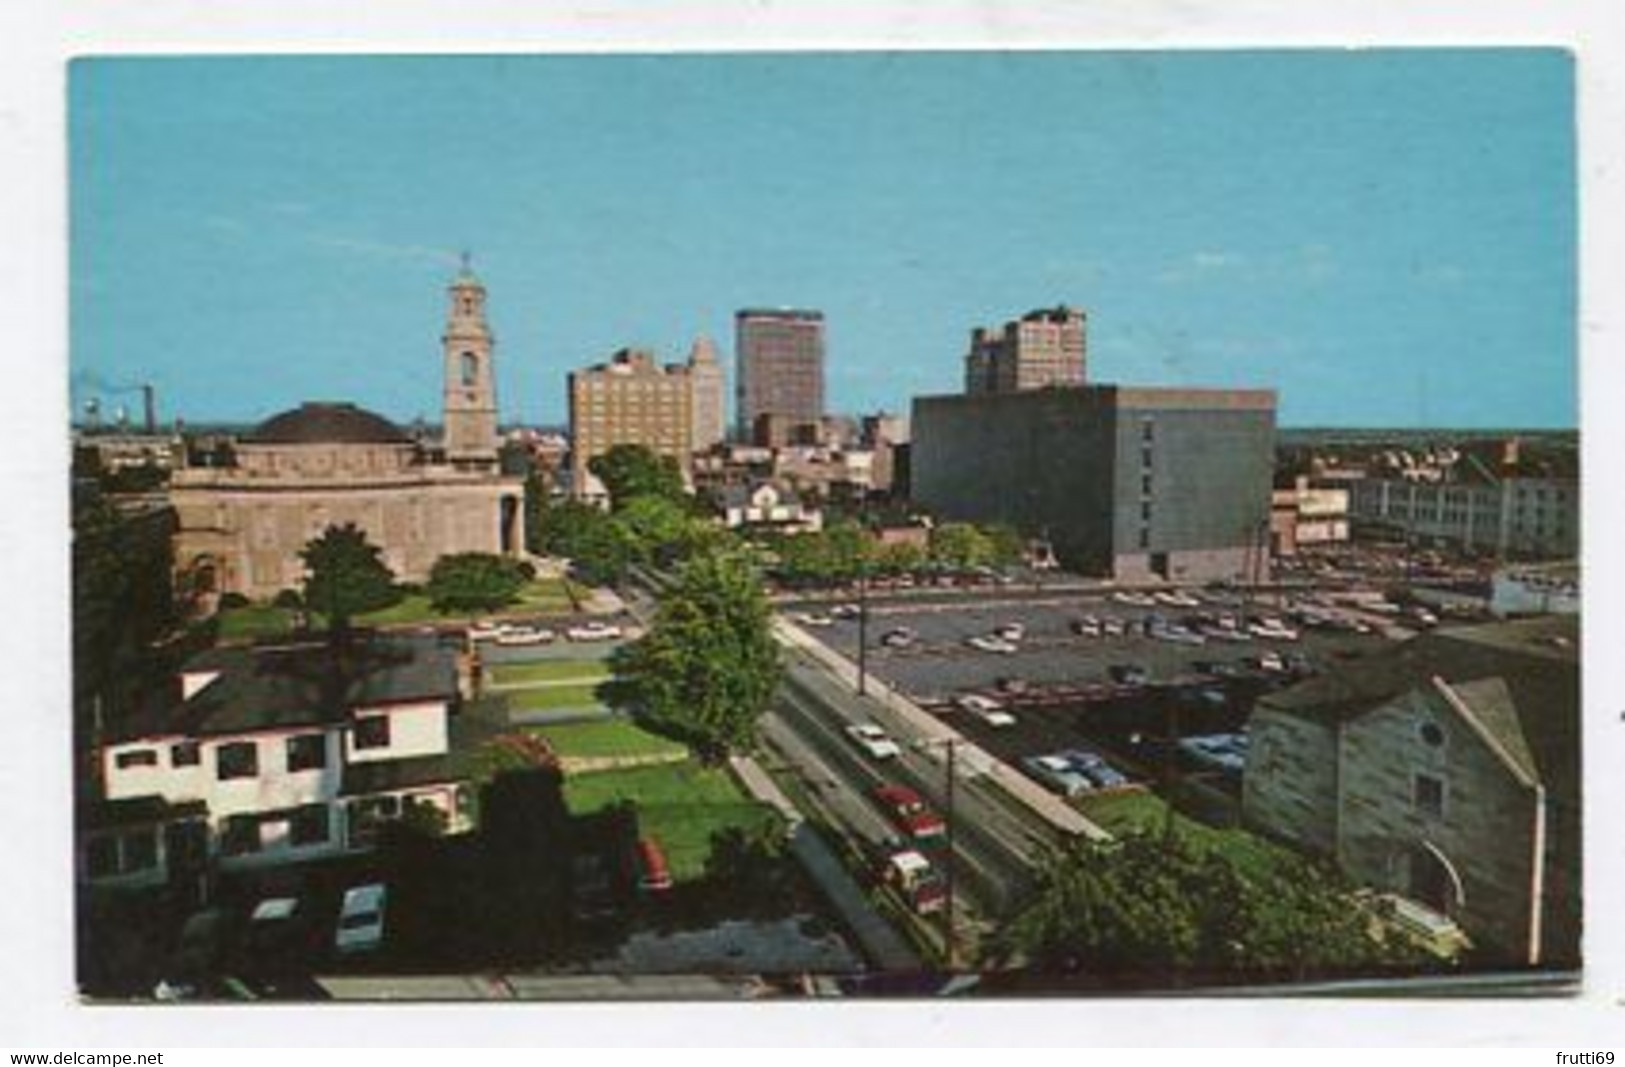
[780, 366]
[1122, 481]
[1040, 349]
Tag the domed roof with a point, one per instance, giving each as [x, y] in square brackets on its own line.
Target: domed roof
[327, 423]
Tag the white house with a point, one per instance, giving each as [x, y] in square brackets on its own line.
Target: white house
[273, 755]
[764, 504]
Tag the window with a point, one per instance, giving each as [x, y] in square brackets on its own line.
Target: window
[471, 368]
[372, 731]
[1148, 430]
[240, 835]
[1145, 485]
[307, 752]
[1432, 736]
[1145, 537]
[185, 754]
[1429, 795]
[240, 759]
[1145, 511]
[308, 826]
[141, 757]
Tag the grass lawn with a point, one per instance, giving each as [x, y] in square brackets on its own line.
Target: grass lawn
[550, 670]
[606, 737]
[1124, 812]
[255, 620]
[554, 696]
[681, 804]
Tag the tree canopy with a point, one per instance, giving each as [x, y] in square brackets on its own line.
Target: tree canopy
[1156, 909]
[959, 546]
[630, 471]
[708, 666]
[346, 575]
[474, 581]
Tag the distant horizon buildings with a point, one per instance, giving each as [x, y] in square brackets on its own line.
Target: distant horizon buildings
[673, 409]
[779, 366]
[1042, 348]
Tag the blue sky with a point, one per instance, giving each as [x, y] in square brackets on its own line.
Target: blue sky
[1387, 237]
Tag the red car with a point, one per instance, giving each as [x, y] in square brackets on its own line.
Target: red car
[905, 808]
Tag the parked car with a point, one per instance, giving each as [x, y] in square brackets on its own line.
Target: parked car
[991, 644]
[845, 611]
[524, 635]
[1088, 626]
[873, 740]
[815, 618]
[1177, 635]
[361, 919]
[653, 874]
[1272, 662]
[909, 812]
[987, 709]
[593, 631]
[1128, 674]
[280, 936]
[484, 631]
[1059, 774]
[1273, 630]
[1177, 599]
[900, 637]
[1012, 684]
[1142, 600]
[1094, 765]
[1010, 631]
[1227, 752]
[1113, 627]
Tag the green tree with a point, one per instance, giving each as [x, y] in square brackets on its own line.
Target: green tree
[474, 581]
[902, 557]
[1006, 546]
[658, 525]
[630, 471]
[538, 509]
[708, 666]
[1154, 909]
[959, 546]
[346, 576]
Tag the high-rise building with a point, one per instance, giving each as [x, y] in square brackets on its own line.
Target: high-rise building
[631, 400]
[710, 395]
[1136, 483]
[470, 385]
[1042, 348]
[780, 368]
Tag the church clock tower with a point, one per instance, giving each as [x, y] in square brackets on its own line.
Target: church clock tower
[471, 395]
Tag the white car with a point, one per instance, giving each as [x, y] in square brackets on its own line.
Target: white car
[1010, 631]
[593, 631]
[1177, 599]
[361, 919]
[1273, 630]
[524, 635]
[991, 644]
[485, 631]
[902, 637]
[985, 708]
[1088, 626]
[846, 611]
[1141, 600]
[814, 618]
[873, 740]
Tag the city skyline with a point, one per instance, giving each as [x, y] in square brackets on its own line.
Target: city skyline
[1313, 222]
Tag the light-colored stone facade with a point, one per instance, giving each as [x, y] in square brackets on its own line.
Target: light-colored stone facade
[632, 400]
[242, 525]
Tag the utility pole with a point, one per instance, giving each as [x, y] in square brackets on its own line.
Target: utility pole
[863, 631]
[952, 745]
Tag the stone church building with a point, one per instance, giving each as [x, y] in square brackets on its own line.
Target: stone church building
[242, 521]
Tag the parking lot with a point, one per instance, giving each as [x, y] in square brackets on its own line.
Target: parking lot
[1071, 692]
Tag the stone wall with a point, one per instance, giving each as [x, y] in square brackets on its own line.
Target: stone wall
[1289, 791]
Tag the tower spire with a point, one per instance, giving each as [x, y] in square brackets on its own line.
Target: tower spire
[470, 386]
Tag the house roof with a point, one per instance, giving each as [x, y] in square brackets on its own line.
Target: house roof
[272, 687]
[1518, 682]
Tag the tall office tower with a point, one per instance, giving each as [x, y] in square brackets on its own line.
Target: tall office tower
[631, 400]
[780, 368]
[1042, 348]
[710, 395]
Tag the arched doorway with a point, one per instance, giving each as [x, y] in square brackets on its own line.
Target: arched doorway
[1433, 880]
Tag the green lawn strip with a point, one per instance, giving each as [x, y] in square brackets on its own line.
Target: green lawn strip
[1123, 812]
[680, 804]
[605, 737]
[590, 671]
[554, 696]
[255, 620]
